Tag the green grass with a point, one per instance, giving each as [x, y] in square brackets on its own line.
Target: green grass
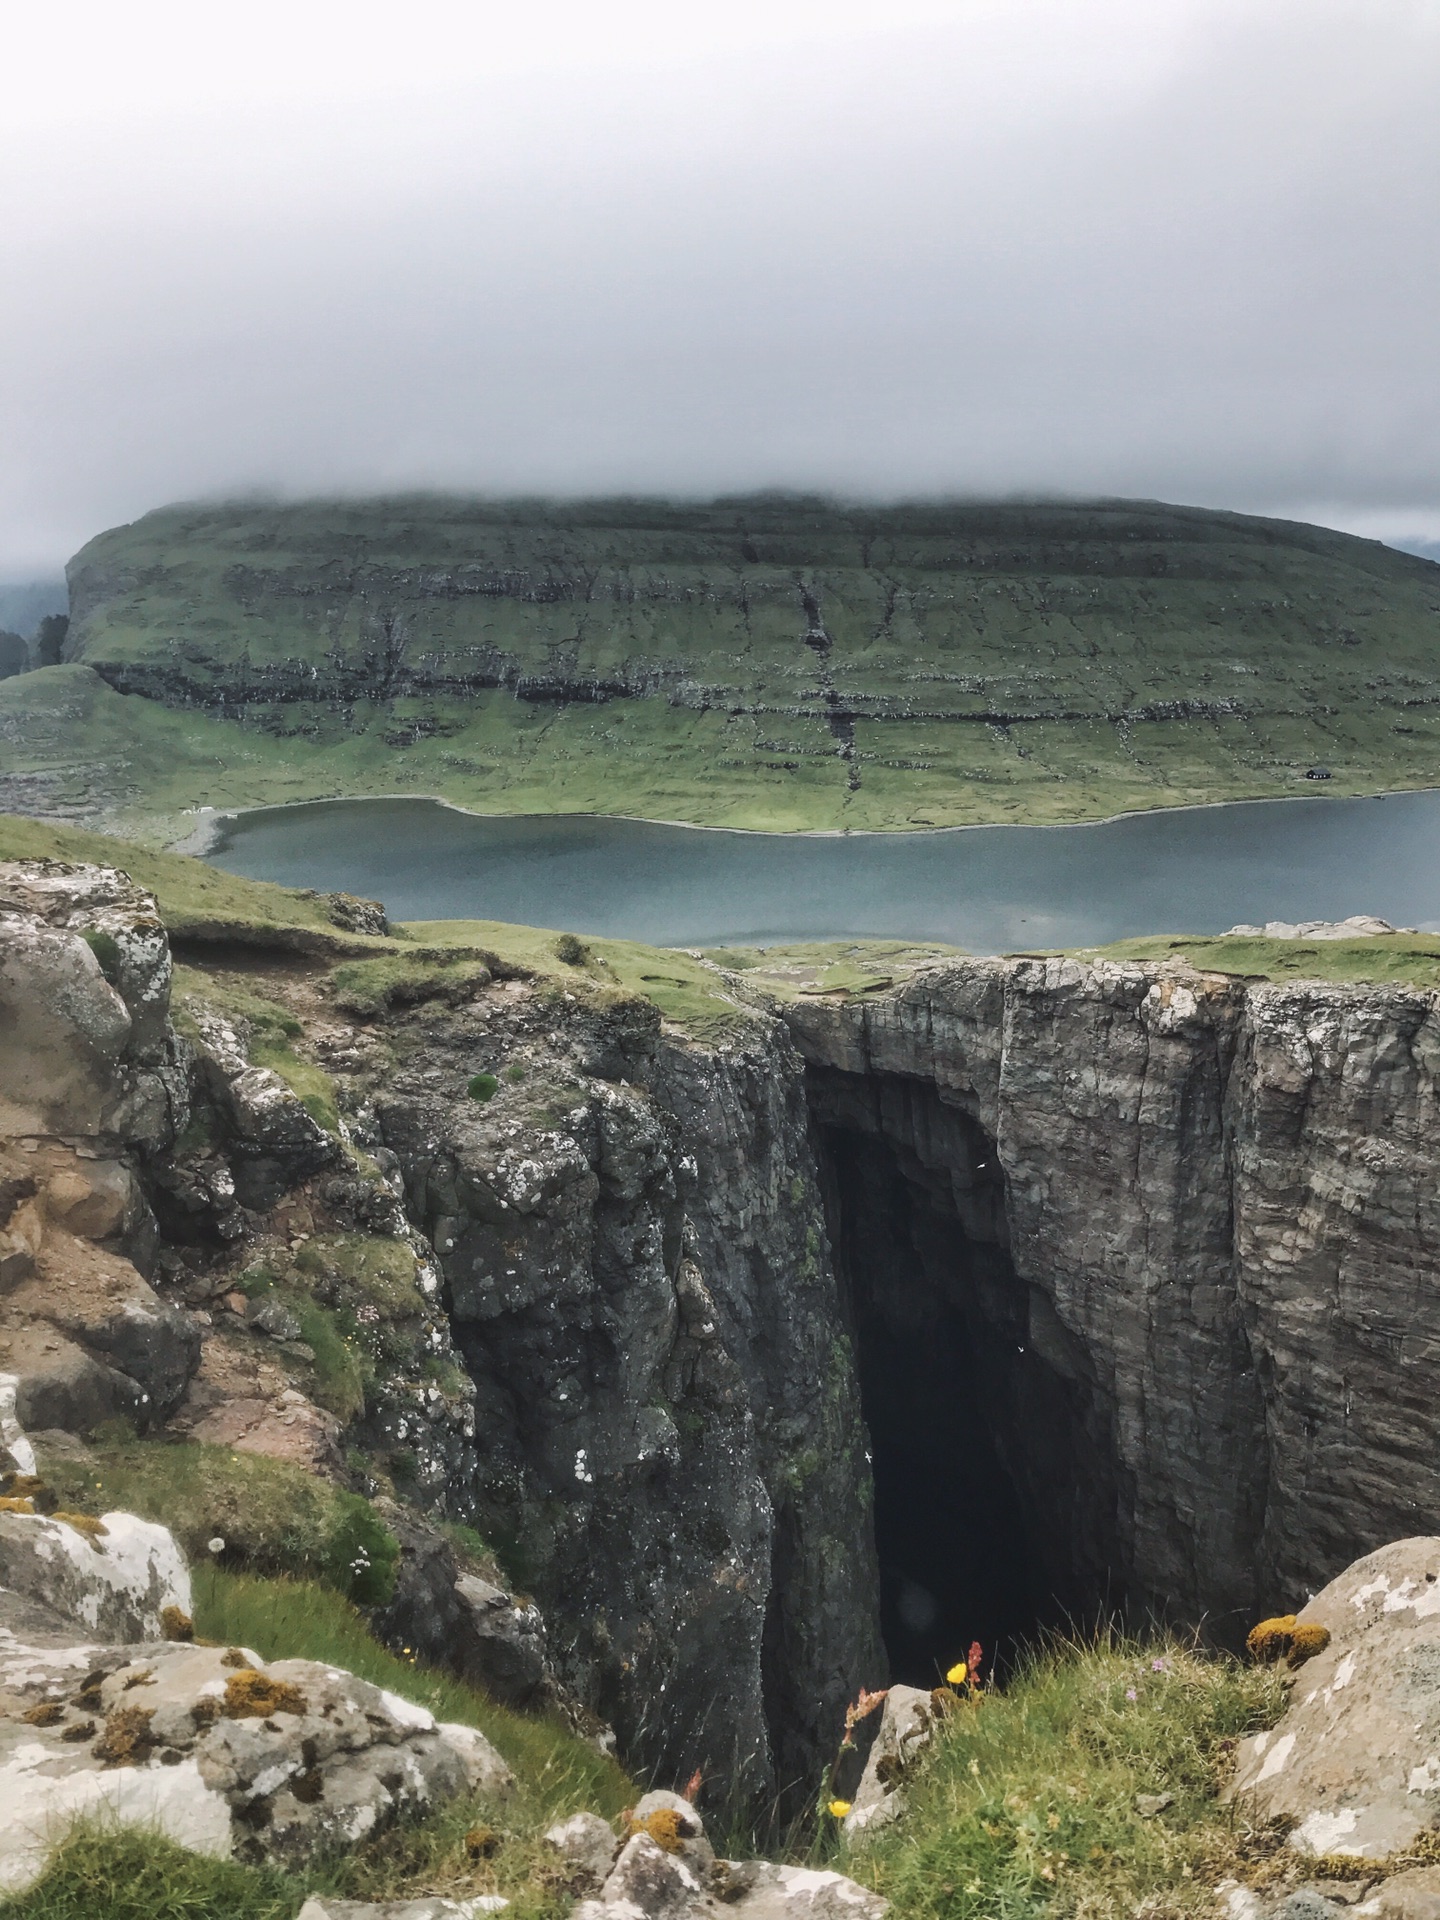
[108, 1873]
[830, 966]
[1002, 661]
[273, 1517]
[1386, 959]
[195, 900]
[1027, 1808]
[687, 992]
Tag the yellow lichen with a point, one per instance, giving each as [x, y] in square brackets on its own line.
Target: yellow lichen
[176, 1624]
[16, 1503]
[48, 1714]
[1306, 1641]
[255, 1696]
[1271, 1638]
[126, 1739]
[481, 1842]
[85, 1523]
[665, 1827]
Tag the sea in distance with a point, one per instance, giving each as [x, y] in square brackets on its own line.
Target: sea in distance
[988, 889]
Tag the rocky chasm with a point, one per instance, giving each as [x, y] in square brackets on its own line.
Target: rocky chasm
[1023, 1288]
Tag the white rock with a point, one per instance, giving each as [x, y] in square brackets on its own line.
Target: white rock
[115, 1584]
[1355, 1760]
[586, 1841]
[12, 1434]
[906, 1728]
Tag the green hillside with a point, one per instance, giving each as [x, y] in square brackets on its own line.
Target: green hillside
[777, 662]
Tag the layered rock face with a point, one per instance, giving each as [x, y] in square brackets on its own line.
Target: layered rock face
[667, 1422]
[1186, 1231]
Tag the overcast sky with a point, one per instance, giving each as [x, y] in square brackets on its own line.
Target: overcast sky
[1177, 248]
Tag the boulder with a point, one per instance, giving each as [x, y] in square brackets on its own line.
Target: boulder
[1355, 1760]
[462, 1621]
[85, 1045]
[585, 1842]
[16, 1453]
[216, 1749]
[667, 1871]
[906, 1727]
[115, 1576]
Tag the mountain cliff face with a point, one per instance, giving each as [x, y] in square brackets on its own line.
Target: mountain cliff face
[1113, 1283]
[1187, 1228]
[775, 662]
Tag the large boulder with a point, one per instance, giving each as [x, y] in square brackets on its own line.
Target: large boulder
[1355, 1760]
[84, 1005]
[216, 1749]
[118, 1577]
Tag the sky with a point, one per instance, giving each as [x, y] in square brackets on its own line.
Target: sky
[1185, 249]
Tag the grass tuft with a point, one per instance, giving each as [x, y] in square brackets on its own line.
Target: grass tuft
[1029, 1804]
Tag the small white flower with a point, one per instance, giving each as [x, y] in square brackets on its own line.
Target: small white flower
[217, 1545]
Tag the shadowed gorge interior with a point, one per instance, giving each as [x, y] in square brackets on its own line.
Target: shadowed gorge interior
[993, 1488]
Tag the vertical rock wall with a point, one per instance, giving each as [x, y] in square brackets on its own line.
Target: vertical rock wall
[1221, 1213]
[668, 1425]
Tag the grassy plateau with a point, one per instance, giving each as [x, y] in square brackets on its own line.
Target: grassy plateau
[775, 663]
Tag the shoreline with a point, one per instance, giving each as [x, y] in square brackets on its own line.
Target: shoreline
[211, 830]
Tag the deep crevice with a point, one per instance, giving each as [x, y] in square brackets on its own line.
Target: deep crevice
[994, 1489]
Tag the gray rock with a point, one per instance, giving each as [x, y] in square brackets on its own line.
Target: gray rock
[1413, 1895]
[586, 1841]
[1148, 1805]
[114, 1579]
[657, 1883]
[231, 1757]
[1306, 1904]
[1186, 1204]
[276, 1319]
[907, 1727]
[1355, 1760]
[436, 1908]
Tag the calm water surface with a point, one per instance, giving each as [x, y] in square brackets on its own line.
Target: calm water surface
[991, 889]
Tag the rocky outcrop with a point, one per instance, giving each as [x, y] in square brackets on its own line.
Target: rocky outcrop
[666, 1869]
[667, 1427]
[226, 1754]
[112, 1574]
[1186, 1227]
[1354, 1764]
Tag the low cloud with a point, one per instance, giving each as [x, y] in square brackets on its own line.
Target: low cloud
[1183, 250]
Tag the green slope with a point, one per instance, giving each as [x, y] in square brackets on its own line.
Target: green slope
[774, 663]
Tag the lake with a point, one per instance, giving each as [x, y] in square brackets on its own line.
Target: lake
[990, 889]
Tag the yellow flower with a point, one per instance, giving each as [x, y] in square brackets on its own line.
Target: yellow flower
[958, 1674]
[839, 1808]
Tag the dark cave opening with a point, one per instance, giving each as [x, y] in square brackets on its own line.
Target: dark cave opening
[989, 1487]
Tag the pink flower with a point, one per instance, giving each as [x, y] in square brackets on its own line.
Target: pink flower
[1159, 1666]
[1130, 1694]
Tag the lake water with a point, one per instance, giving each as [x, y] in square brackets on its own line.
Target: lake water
[990, 889]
